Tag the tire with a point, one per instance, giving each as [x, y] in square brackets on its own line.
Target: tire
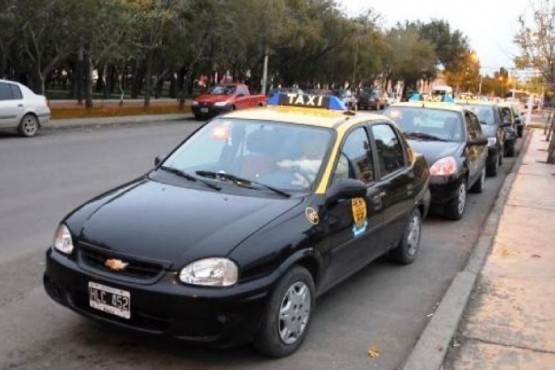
[28, 126]
[519, 131]
[492, 166]
[407, 250]
[454, 209]
[510, 149]
[478, 186]
[269, 339]
[197, 117]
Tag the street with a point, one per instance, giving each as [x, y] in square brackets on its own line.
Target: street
[384, 307]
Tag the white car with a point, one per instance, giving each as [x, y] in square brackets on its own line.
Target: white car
[22, 109]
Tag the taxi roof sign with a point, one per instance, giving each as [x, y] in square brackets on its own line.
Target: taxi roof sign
[307, 101]
[439, 98]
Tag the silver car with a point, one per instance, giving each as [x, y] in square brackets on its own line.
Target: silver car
[22, 109]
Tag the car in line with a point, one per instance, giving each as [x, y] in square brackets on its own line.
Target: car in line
[21, 109]
[512, 110]
[231, 237]
[372, 99]
[451, 139]
[489, 115]
[225, 98]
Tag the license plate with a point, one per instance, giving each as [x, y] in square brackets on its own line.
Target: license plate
[204, 110]
[110, 300]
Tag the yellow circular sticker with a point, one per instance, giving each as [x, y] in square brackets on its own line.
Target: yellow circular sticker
[312, 215]
[359, 211]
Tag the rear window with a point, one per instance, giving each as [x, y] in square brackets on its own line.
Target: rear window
[443, 124]
[5, 92]
[16, 92]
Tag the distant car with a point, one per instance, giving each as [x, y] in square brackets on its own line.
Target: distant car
[494, 128]
[347, 97]
[286, 90]
[391, 98]
[22, 109]
[225, 98]
[371, 99]
[450, 138]
[232, 236]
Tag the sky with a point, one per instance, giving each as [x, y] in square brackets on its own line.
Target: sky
[488, 24]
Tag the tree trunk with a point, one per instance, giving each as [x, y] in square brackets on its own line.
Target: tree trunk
[135, 84]
[173, 89]
[148, 78]
[79, 77]
[112, 79]
[104, 81]
[551, 150]
[88, 82]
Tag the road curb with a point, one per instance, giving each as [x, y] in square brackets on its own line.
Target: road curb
[431, 348]
[61, 124]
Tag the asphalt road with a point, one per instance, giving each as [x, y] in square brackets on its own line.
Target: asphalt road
[384, 306]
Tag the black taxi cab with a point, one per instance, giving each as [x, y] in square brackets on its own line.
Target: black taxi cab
[451, 139]
[232, 236]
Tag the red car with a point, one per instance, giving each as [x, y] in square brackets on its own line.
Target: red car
[224, 98]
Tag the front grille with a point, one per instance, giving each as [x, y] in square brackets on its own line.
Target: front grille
[96, 259]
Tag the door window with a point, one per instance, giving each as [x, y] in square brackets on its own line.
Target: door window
[355, 159]
[390, 150]
[5, 92]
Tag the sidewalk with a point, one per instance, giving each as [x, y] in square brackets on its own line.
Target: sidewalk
[510, 320]
[100, 121]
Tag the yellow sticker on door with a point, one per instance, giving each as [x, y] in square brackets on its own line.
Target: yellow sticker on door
[359, 216]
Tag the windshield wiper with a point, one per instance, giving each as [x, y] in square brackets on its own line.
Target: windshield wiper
[423, 136]
[188, 176]
[240, 181]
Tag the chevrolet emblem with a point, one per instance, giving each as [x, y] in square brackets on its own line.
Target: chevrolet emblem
[116, 265]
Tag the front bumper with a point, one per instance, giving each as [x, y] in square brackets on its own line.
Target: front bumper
[208, 111]
[219, 316]
[444, 188]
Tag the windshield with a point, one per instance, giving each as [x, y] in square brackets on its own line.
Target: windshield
[222, 90]
[284, 156]
[429, 123]
[484, 113]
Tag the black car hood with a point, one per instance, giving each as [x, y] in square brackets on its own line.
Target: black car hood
[175, 224]
[434, 150]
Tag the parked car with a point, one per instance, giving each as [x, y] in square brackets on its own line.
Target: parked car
[232, 236]
[286, 90]
[511, 131]
[494, 128]
[371, 99]
[224, 98]
[514, 111]
[347, 97]
[450, 138]
[22, 109]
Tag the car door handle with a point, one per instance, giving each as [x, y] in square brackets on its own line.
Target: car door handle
[20, 105]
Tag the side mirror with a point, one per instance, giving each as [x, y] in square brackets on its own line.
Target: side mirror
[480, 141]
[505, 124]
[345, 189]
[158, 160]
[518, 121]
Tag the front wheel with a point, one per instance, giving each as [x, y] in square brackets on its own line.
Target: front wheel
[409, 245]
[454, 210]
[288, 315]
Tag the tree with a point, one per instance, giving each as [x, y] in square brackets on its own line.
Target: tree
[536, 40]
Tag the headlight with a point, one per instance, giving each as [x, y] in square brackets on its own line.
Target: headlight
[62, 240]
[492, 141]
[210, 272]
[443, 167]
[220, 104]
[195, 103]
